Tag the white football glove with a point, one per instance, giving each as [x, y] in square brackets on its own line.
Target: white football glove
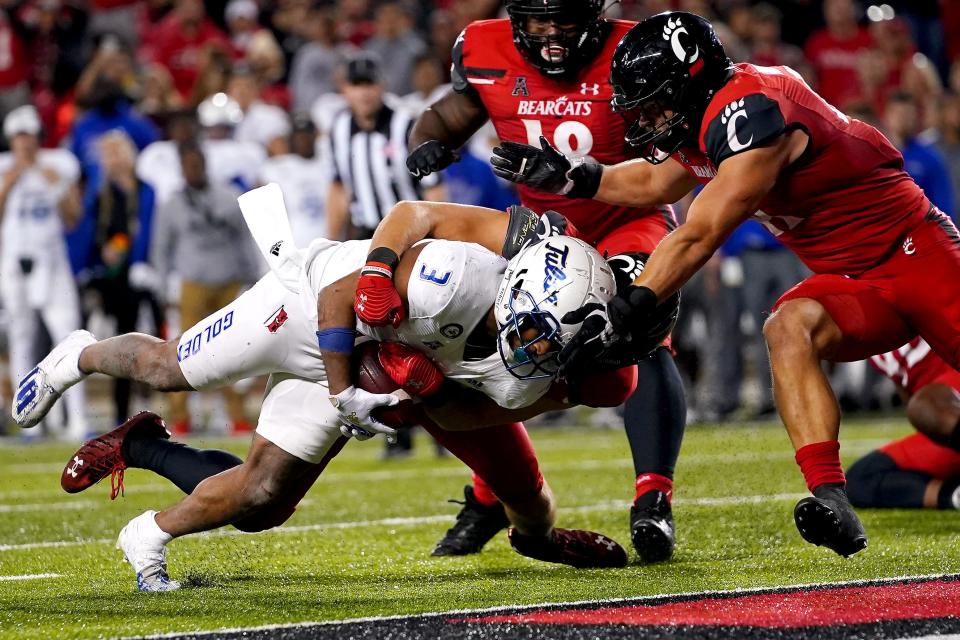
[355, 406]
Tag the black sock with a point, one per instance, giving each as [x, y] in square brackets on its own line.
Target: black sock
[184, 466]
[655, 415]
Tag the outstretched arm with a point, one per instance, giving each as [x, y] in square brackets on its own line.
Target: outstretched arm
[409, 222]
[635, 183]
[733, 196]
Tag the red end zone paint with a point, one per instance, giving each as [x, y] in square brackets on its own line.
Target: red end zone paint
[845, 605]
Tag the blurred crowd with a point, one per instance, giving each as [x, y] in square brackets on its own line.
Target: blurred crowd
[130, 126]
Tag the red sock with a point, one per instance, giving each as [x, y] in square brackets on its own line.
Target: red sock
[820, 464]
[483, 493]
[653, 482]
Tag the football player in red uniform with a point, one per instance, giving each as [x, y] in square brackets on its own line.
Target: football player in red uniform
[922, 469]
[833, 190]
[544, 73]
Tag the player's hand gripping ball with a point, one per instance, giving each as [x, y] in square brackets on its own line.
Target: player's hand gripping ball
[392, 367]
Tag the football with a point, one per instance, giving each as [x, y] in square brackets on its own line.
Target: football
[368, 374]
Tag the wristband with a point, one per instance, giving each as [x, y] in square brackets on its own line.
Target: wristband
[336, 339]
[380, 260]
[584, 180]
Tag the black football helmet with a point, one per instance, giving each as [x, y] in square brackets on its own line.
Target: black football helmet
[674, 62]
[576, 43]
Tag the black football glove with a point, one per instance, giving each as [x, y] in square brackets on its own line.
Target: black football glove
[603, 340]
[630, 309]
[579, 355]
[545, 169]
[429, 157]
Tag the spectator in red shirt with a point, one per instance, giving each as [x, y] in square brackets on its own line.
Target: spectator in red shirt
[833, 51]
[180, 39]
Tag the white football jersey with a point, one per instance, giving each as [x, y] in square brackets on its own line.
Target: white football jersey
[452, 288]
[451, 291]
[304, 183]
[227, 161]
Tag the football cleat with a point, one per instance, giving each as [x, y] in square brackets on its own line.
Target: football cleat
[40, 389]
[573, 547]
[651, 527]
[476, 525]
[105, 455]
[146, 554]
[828, 520]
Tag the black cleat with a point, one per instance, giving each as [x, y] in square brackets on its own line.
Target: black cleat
[476, 525]
[828, 520]
[651, 527]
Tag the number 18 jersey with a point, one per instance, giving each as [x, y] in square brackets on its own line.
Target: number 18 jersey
[574, 114]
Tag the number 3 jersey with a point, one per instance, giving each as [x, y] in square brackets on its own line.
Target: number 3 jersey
[452, 288]
[573, 114]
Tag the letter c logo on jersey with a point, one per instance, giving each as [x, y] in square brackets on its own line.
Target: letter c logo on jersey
[731, 113]
[671, 32]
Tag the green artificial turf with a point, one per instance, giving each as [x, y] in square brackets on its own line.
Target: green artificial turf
[341, 556]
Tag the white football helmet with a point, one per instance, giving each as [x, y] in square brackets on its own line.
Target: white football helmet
[542, 283]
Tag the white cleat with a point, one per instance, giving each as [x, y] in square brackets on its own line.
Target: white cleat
[146, 552]
[40, 389]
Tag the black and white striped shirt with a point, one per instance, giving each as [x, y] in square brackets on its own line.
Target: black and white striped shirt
[372, 166]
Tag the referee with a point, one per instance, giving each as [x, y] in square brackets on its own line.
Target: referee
[368, 145]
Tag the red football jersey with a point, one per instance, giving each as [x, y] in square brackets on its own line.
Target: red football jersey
[912, 366]
[574, 114]
[846, 203]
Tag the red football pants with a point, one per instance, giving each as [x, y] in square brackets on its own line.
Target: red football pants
[916, 291]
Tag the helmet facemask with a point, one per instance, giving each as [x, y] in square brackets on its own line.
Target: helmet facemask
[518, 353]
[655, 123]
[556, 38]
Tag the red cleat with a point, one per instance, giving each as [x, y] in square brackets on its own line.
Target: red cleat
[574, 547]
[103, 455]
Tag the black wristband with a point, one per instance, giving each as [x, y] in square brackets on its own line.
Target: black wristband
[586, 180]
[384, 255]
[642, 299]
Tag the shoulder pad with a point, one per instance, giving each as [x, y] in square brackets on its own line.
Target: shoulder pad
[458, 75]
[742, 124]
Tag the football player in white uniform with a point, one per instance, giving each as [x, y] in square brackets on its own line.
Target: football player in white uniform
[38, 199]
[460, 297]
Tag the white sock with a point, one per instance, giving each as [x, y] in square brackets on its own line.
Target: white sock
[955, 498]
[149, 526]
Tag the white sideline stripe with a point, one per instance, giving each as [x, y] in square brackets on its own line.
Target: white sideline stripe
[647, 600]
[412, 520]
[457, 470]
[43, 506]
[31, 576]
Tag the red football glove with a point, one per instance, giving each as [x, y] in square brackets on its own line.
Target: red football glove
[414, 372]
[377, 301]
